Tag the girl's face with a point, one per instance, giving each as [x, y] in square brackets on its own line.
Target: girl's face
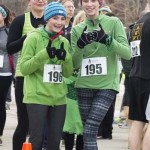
[56, 23]
[91, 8]
[37, 5]
[69, 6]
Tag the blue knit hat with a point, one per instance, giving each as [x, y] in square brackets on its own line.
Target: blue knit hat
[54, 9]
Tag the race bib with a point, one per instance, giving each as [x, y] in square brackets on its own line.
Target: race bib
[94, 66]
[1, 61]
[135, 48]
[52, 73]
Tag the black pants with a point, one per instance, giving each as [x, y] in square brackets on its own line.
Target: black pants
[21, 131]
[125, 100]
[69, 141]
[5, 82]
[38, 116]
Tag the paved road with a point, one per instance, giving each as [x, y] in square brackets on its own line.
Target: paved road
[119, 141]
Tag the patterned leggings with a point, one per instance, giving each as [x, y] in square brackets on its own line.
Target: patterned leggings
[93, 105]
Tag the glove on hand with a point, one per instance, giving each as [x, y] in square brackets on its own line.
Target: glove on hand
[101, 36]
[51, 50]
[84, 39]
[61, 53]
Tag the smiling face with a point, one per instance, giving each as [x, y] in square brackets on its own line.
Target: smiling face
[91, 8]
[69, 6]
[55, 24]
[37, 5]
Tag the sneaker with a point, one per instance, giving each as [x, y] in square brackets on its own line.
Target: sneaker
[63, 143]
[123, 125]
[99, 137]
[1, 142]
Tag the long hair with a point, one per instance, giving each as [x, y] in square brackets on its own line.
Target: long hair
[10, 15]
[79, 17]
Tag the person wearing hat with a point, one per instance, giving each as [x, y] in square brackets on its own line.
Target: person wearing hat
[97, 42]
[6, 16]
[45, 61]
[19, 29]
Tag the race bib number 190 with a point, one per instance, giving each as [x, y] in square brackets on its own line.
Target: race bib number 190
[52, 73]
[94, 66]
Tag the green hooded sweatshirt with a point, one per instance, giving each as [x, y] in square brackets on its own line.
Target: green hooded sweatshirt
[118, 48]
[34, 57]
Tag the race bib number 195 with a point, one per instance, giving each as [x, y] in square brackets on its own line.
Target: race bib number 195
[52, 73]
[94, 66]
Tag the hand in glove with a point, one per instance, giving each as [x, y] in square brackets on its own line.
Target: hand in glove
[84, 39]
[51, 50]
[99, 35]
[61, 53]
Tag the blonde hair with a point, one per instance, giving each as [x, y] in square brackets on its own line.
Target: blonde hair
[79, 17]
[64, 1]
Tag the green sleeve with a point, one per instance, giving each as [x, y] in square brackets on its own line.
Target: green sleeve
[78, 53]
[67, 65]
[30, 60]
[120, 44]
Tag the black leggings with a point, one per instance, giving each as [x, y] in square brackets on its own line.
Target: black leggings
[21, 131]
[54, 116]
[69, 141]
[5, 82]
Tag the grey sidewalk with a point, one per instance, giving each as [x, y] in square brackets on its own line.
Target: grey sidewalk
[119, 141]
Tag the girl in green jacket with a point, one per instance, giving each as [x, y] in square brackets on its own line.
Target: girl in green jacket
[97, 43]
[45, 60]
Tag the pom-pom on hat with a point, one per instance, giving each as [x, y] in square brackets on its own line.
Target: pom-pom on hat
[54, 9]
[100, 2]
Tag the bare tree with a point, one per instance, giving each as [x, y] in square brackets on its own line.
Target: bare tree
[128, 11]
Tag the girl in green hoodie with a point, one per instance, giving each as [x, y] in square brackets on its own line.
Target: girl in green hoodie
[45, 60]
[97, 43]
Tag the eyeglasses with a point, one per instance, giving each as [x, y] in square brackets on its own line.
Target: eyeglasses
[40, 1]
[70, 7]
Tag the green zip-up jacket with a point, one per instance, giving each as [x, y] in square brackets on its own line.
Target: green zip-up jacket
[118, 48]
[34, 57]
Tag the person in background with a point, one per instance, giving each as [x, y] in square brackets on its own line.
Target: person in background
[5, 66]
[139, 81]
[126, 64]
[97, 42]
[19, 29]
[45, 61]
[69, 6]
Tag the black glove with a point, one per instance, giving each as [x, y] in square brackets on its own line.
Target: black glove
[61, 53]
[99, 35]
[51, 50]
[85, 38]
